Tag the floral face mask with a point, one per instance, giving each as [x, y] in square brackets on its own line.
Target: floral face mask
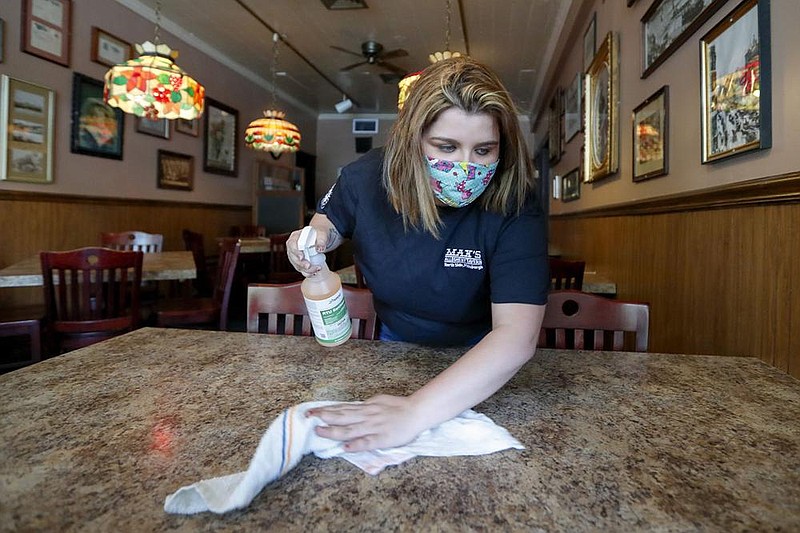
[459, 183]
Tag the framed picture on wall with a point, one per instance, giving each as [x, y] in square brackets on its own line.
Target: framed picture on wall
[2, 39]
[109, 50]
[156, 127]
[590, 42]
[175, 171]
[667, 24]
[220, 135]
[571, 186]
[189, 127]
[651, 136]
[554, 126]
[97, 128]
[26, 131]
[602, 113]
[736, 83]
[572, 108]
[46, 29]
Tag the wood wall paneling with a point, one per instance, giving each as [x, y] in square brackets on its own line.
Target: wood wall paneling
[32, 222]
[721, 281]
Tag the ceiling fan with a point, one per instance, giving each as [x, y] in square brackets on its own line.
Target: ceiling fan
[373, 54]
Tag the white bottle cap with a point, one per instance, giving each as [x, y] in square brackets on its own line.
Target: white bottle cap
[307, 242]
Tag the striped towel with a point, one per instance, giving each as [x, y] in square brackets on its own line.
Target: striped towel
[291, 436]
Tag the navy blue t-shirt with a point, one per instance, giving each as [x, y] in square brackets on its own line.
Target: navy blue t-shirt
[437, 291]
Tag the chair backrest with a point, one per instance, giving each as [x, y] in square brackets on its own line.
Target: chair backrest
[583, 321]
[566, 274]
[91, 293]
[226, 270]
[280, 269]
[194, 243]
[133, 240]
[248, 230]
[280, 309]
[361, 283]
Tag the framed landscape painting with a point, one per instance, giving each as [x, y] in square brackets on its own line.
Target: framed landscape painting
[571, 186]
[175, 171]
[26, 131]
[667, 24]
[736, 83]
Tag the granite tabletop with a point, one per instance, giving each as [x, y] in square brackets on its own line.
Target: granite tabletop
[95, 439]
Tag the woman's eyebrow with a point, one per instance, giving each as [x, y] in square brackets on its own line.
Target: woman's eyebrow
[454, 141]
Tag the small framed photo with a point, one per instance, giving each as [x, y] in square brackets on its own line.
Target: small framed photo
[175, 171]
[667, 24]
[220, 137]
[571, 185]
[46, 29]
[555, 137]
[189, 127]
[97, 128]
[602, 112]
[2, 39]
[156, 127]
[651, 136]
[590, 42]
[26, 131]
[572, 108]
[737, 83]
[109, 50]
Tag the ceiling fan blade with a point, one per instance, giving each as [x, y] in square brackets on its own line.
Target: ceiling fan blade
[354, 65]
[392, 54]
[346, 51]
[391, 67]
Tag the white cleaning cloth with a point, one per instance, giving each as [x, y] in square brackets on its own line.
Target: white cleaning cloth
[291, 436]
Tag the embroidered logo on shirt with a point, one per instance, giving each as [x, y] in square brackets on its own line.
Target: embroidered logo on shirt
[462, 258]
[326, 197]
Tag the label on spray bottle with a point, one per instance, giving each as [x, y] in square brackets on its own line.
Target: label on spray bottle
[330, 318]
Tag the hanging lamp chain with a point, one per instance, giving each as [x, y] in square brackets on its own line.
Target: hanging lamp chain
[447, 28]
[156, 39]
[274, 68]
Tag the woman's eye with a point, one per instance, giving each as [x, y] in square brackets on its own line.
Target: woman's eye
[483, 151]
[446, 148]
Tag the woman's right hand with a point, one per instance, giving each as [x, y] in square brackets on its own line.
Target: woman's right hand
[296, 255]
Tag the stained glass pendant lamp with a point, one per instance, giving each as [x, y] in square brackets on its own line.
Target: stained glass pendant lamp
[273, 133]
[152, 85]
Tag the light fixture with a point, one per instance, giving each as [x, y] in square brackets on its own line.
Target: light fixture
[408, 80]
[273, 133]
[345, 105]
[152, 85]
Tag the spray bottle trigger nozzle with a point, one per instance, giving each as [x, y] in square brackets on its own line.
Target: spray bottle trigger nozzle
[307, 242]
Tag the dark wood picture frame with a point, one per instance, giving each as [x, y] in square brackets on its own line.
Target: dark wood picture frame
[175, 171]
[737, 104]
[108, 49]
[2, 40]
[555, 134]
[47, 29]
[156, 127]
[571, 185]
[590, 42]
[188, 127]
[220, 138]
[661, 37]
[97, 128]
[650, 147]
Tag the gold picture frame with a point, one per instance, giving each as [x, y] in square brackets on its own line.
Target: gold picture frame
[601, 86]
[26, 131]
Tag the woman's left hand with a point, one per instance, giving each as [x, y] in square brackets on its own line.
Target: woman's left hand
[380, 422]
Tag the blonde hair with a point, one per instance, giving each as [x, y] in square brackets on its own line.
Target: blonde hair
[470, 86]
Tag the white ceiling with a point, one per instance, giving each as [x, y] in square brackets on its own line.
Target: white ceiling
[515, 37]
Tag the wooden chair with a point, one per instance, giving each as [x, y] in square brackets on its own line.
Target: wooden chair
[280, 309]
[566, 274]
[133, 240]
[211, 311]
[90, 294]
[194, 243]
[248, 230]
[583, 321]
[18, 322]
[280, 269]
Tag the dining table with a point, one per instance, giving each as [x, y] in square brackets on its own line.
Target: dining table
[252, 245]
[158, 266]
[95, 439]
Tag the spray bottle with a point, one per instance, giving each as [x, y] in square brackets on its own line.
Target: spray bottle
[323, 295]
